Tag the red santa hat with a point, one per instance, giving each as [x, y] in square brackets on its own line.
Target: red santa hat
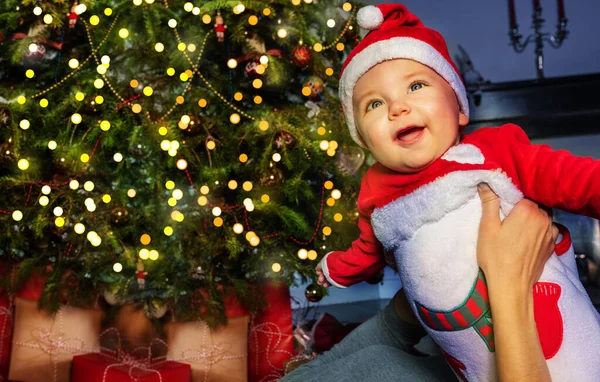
[396, 33]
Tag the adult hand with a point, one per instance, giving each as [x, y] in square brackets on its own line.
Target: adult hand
[512, 253]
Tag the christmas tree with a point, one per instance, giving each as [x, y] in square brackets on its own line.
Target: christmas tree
[170, 152]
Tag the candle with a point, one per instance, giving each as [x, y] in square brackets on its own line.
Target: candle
[536, 5]
[561, 9]
[511, 14]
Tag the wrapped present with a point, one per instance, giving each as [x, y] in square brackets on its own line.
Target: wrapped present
[215, 355]
[271, 341]
[105, 367]
[43, 344]
[6, 324]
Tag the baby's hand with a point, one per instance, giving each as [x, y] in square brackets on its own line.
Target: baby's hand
[321, 280]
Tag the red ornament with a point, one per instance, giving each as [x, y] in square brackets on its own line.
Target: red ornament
[73, 16]
[220, 27]
[301, 55]
[250, 69]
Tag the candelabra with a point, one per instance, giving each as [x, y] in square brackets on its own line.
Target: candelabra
[538, 37]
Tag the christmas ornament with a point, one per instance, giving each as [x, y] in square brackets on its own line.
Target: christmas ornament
[138, 151]
[37, 33]
[4, 117]
[198, 273]
[316, 86]
[119, 216]
[314, 108]
[250, 69]
[7, 151]
[313, 293]
[220, 27]
[284, 138]
[110, 295]
[73, 16]
[140, 275]
[301, 56]
[193, 127]
[272, 177]
[155, 308]
[376, 278]
[349, 159]
[256, 43]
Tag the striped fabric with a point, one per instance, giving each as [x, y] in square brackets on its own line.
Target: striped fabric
[473, 312]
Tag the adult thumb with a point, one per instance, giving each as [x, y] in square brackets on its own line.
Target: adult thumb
[490, 205]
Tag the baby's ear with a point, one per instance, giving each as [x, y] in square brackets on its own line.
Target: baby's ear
[463, 120]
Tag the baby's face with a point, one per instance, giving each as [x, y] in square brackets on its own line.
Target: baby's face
[407, 114]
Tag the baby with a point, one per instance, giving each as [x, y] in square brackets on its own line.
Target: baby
[405, 101]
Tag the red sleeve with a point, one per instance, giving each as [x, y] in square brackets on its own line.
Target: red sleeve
[363, 259]
[552, 178]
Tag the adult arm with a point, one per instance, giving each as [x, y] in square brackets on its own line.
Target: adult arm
[512, 254]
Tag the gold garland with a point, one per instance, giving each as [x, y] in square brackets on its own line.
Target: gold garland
[215, 91]
[189, 81]
[80, 66]
[87, 30]
[343, 31]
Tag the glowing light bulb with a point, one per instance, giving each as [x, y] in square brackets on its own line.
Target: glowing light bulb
[17, 215]
[44, 200]
[118, 157]
[117, 267]
[79, 228]
[153, 255]
[74, 184]
[46, 190]
[182, 164]
[232, 63]
[23, 164]
[276, 267]
[57, 211]
[88, 186]
[76, 118]
[238, 228]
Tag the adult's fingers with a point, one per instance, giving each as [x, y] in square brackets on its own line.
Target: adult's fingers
[554, 233]
[490, 205]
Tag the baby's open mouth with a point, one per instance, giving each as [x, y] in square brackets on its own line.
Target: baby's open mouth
[410, 134]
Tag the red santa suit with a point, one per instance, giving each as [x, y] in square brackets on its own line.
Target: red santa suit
[430, 222]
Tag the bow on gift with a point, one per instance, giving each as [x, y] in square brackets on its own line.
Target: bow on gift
[210, 354]
[133, 363]
[274, 339]
[55, 343]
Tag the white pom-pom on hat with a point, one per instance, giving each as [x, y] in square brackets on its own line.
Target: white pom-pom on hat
[370, 17]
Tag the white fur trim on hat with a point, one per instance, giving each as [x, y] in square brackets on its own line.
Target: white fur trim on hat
[369, 17]
[394, 48]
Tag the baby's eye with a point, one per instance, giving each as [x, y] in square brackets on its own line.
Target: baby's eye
[416, 86]
[374, 104]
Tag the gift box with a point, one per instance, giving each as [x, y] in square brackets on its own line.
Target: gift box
[99, 367]
[271, 341]
[43, 345]
[6, 325]
[215, 355]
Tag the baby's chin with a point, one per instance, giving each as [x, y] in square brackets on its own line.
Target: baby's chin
[409, 168]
